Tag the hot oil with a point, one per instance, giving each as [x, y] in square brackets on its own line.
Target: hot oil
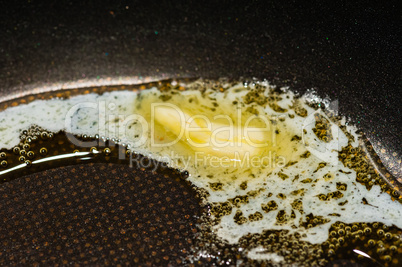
[40, 149]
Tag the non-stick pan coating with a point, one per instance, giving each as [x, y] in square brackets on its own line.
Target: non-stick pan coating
[345, 50]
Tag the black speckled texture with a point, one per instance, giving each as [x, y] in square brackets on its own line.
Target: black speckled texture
[348, 51]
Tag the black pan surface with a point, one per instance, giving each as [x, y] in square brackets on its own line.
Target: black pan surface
[345, 50]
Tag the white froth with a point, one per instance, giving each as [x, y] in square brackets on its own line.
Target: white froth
[84, 112]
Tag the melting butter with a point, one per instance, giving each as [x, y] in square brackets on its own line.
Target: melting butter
[205, 134]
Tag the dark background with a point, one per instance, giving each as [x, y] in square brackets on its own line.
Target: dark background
[348, 51]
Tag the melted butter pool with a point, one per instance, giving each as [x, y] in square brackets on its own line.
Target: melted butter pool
[226, 138]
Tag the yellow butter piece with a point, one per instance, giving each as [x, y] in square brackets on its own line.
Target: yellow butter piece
[204, 135]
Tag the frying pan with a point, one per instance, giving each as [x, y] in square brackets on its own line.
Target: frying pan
[347, 51]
